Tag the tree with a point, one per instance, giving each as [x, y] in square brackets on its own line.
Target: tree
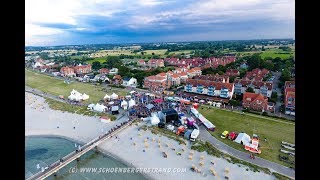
[250, 89]
[96, 65]
[285, 75]
[152, 53]
[231, 80]
[274, 94]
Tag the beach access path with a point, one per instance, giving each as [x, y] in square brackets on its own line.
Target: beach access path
[206, 136]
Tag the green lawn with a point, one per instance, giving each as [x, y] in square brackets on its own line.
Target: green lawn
[274, 131]
[276, 53]
[100, 59]
[58, 87]
[270, 53]
[75, 109]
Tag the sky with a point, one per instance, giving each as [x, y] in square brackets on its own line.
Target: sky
[75, 22]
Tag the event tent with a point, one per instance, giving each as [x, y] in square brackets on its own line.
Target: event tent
[76, 96]
[154, 119]
[90, 106]
[158, 100]
[243, 138]
[124, 104]
[85, 96]
[131, 92]
[107, 97]
[99, 107]
[114, 96]
[132, 103]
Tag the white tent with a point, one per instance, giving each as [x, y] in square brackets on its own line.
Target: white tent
[132, 103]
[131, 92]
[243, 138]
[114, 96]
[152, 95]
[111, 103]
[99, 107]
[85, 96]
[76, 96]
[154, 119]
[128, 96]
[90, 106]
[106, 97]
[124, 104]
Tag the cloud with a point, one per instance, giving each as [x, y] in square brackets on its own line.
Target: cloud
[124, 20]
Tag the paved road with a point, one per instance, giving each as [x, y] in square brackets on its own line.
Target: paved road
[206, 136]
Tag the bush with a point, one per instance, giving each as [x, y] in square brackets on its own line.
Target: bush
[264, 114]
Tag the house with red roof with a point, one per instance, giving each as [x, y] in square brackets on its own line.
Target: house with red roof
[183, 77]
[156, 84]
[104, 71]
[142, 62]
[67, 71]
[232, 72]
[82, 69]
[117, 79]
[259, 87]
[213, 77]
[290, 97]
[154, 63]
[210, 88]
[257, 102]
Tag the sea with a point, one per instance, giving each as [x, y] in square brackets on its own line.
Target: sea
[42, 151]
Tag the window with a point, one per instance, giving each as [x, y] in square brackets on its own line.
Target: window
[254, 104]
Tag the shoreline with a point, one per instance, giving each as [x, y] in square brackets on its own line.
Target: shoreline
[41, 121]
[101, 150]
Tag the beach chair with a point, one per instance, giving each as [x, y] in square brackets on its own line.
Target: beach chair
[212, 162]
[213, 172]
[190, 157]
[201, 157]
[226, 170]
[201, 163]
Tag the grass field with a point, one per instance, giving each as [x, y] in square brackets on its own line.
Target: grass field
[58, 87]
[100, 59]
[156, 52]
[271, 53]
[75, 109]
[180, 52]
[273, 131]
[276, 53]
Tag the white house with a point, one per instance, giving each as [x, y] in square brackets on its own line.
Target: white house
[131, 82]
[113, 71]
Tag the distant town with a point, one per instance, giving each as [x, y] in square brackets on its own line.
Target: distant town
[257, 75]
[216, 109]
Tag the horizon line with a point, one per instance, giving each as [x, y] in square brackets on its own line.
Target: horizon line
[161, 42]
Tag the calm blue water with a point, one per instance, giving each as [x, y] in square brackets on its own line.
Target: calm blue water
[46, 150]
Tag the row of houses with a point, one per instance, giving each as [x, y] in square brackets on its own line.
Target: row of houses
[75, 70]
[201, 62]
[289, 97]
[257, 102]
[259, 87]
[256, 74]
[163, 81]
[253, 79]
[152, 63]
[210, 88]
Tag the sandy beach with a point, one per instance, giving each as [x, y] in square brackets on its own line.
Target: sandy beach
[43, 121]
